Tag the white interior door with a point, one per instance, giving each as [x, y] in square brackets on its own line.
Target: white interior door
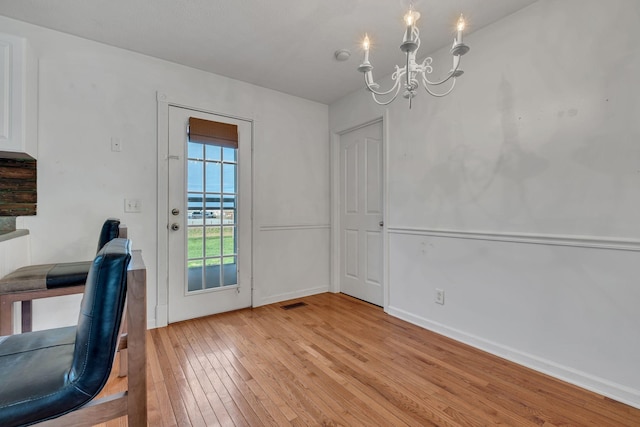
[209, 229]
[361, 213]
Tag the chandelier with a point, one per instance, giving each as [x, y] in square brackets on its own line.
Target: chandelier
[409, 76]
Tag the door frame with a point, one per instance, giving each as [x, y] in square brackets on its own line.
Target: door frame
[335, 202]
[163, 102]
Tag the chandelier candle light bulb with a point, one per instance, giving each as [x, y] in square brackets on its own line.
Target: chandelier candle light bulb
[461, 24]
[410, 42]
[366, 67]
[411, 17]
[412, 71]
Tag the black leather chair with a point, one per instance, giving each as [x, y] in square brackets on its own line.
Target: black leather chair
[47, 280]
[46, 374]
[75, 273]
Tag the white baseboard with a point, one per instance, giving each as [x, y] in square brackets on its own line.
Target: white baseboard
[593, 383]
[290, 295]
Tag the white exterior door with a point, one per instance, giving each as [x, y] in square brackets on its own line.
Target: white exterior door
[209, 229]
[361, 213]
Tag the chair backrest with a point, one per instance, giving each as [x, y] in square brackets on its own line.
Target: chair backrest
[97, 333]
[110, 230]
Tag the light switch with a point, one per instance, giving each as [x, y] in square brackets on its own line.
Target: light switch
[116, 144]
[132, 205]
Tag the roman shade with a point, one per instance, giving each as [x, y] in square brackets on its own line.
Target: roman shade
[214, 133]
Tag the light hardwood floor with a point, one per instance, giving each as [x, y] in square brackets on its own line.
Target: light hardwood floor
[341, 362]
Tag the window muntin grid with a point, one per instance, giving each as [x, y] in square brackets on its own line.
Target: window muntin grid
[212, 237]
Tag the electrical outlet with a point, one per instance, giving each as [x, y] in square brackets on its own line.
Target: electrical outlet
[439, 296]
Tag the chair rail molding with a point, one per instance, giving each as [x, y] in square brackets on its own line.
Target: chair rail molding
[594, 242]
[291, 227]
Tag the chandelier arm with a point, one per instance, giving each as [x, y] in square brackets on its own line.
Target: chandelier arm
[426, 81]
[373, 95]
[446, 79]
[438, 95]
[396, 85]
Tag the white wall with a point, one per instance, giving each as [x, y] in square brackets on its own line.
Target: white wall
[89, 93]
[14, 253]
[518, 194]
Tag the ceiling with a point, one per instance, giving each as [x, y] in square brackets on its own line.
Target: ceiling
[285, 45]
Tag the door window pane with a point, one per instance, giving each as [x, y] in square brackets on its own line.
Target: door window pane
[194, 209]
[229, 177]
[194, 175]
[229, 241]
[212, 273]
[194, 243]
[213, 242]
[212, 152]
[229, 154]
[194, 275]
[213, 209]
[194, 151]
[194, 201]
[229, 209]
[229, 271]
[213, 177]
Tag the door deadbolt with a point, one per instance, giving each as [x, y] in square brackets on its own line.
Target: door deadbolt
[175, 211]
[175, 226]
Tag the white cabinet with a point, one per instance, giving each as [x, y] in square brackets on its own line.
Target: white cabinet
[18, 96]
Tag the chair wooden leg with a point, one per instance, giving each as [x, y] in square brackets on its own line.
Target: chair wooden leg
[27, 319]
[123, 368]
[122, 349]
[136, 342]
[6, 316]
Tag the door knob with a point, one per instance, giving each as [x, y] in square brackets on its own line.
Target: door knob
[175, 211]
[381, 223]
[175, 226]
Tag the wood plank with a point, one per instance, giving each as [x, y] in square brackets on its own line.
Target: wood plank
[158, 390]
[214, 385]
[235, 396]
[18, 209]
[173, 376]
[18, 196]
[18, 186]
[202, 367]
[192, 371]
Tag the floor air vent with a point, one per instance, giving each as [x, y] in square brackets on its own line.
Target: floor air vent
[294, 305]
